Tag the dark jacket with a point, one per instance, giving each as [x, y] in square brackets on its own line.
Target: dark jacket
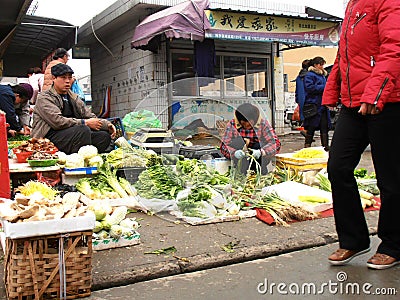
[7, 104]
[300, 93]
[367, 66]
[314, 84]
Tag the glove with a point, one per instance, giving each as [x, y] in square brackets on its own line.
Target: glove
[239, 154]
[256, 153]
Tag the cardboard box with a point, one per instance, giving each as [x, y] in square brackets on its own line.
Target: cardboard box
[114, 243]
[48, 227]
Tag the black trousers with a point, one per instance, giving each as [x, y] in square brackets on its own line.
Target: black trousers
[69, 140]
[352, 135]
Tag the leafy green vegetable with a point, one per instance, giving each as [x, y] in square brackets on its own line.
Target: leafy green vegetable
[109, 175]
[168, 250]
[160, 182]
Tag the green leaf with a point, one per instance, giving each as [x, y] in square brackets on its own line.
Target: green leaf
[168, 250]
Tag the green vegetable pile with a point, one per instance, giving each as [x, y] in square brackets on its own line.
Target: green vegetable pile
[363, 173]
[160, 182]
[105, 185]
[196, 171]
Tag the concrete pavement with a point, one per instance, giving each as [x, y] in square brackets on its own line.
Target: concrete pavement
[298, 274]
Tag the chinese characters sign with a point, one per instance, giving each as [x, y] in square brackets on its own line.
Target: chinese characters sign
[270, 28]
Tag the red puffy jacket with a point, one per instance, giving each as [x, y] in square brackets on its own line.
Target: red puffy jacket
[367, 66]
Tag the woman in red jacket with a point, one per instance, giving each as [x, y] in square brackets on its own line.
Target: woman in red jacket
[366, 77]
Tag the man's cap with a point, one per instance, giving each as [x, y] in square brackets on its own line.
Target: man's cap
[29, 90]
[61, 69]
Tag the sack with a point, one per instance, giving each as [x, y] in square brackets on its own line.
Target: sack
[296, 114]
[309, 110]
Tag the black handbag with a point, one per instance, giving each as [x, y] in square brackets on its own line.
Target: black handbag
[310, 110]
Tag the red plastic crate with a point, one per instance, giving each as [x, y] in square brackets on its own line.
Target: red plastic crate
[5, 188]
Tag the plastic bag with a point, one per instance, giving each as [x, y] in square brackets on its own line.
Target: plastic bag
[158, 205]
[135, 120]
[77, 89]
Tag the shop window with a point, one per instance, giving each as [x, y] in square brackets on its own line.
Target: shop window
[256, 77]
[234, 76]
[183, 74]
[230, 77]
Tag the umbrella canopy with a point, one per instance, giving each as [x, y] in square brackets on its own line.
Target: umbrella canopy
[186, 20]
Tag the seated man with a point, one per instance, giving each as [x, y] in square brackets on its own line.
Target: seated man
[249, 133]
[62, 117]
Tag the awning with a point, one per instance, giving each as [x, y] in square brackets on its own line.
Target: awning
[11, 14]
[33, 40]
[186, 20]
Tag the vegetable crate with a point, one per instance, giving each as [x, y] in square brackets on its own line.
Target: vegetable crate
[117, 122]
[286, 160]
[34, 268]
[130, 173]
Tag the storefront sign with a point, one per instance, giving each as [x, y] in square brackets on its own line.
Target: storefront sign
[270, 28]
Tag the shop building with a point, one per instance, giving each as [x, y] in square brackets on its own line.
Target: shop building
[197, 59]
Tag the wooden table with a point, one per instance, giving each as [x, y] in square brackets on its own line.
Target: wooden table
[20, 173]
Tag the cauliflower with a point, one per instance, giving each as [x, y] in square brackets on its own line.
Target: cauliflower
[62, 157]
[88, 151]
[74, 160]
[95, 161]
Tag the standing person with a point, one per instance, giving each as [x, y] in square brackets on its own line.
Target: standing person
[62, 117]
[36, 80]
[366, 75]
[316, 116]
[14, 102]
[60, 56]
[300, 92]
[248, 131]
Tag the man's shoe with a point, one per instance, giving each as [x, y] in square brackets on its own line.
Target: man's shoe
[382, 261]
[342, 256]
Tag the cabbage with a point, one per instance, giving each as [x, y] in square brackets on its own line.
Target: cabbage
[88, 151]
[97, 227]
[74, 160]
[100, 214]
[95, 161]
[62, 157]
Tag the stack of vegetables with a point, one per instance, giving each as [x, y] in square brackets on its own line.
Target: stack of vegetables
[36, 201]
[203, 201]
[160, 182]
[105, 184]
[113, 223]
[87, 156]
[367, 191]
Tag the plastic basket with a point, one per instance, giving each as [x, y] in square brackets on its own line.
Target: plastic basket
[130, 173]
[117, 122]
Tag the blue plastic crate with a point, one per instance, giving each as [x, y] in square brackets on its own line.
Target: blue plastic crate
[117, 122]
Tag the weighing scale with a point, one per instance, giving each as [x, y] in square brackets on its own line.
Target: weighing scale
[157, 139]
[200, 152]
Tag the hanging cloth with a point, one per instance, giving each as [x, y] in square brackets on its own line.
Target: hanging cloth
[105, 108]
[205, 61]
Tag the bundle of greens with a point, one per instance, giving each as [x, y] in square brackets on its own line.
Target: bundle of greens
[282, 211]
[160, 182]
[121, 157]
[196, 172]
[105, 185]
[203, 201]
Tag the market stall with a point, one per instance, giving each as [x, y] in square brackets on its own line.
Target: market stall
[91, 205]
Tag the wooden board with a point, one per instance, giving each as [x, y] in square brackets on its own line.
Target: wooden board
[287, 160]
